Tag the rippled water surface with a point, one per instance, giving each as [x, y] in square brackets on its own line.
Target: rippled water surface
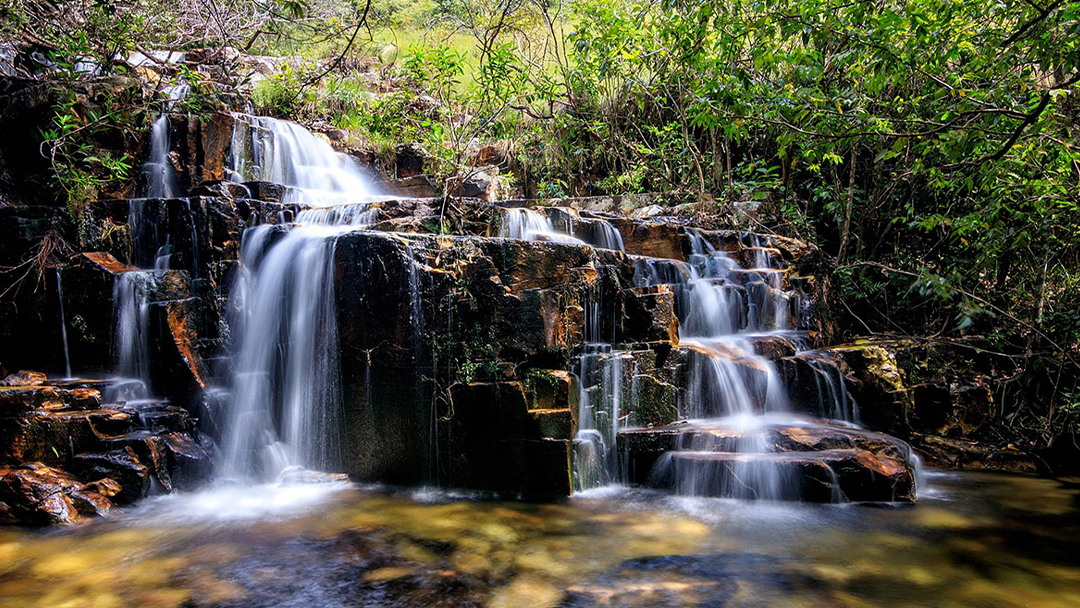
[975, 539]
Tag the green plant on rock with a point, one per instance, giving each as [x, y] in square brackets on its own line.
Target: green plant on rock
[81, 166]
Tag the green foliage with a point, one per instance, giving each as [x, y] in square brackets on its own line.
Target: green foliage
[81, 167]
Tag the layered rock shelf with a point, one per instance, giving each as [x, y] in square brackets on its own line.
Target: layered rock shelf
[810, 460]
[466, 350]
[66, 455]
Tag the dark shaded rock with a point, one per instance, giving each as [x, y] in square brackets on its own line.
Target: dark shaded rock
[408, 161]
[885, 402]
[120, 465]
[150, 451]
[205, 149]
[417, 186]
[548, 389]
[266, 191]
[654, 402]
[190, 462]
[481, 183]
[496, 445]
[555, 423]
[220, 188]
[648, 315]
[17, 400]
[51, 434]
[653, 239]
[964, 454]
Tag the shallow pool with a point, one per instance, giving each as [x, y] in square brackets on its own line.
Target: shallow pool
[974, 539]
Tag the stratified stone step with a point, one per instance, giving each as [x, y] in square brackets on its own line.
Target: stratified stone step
[778, 457]
[830, 476]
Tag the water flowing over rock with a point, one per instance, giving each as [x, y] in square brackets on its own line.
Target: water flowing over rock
[283, 152]
[313, 326]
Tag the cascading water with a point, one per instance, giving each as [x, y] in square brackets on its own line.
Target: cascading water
[600, 405]
[285, 407]
[600, 377]
[63, 324]
[532, 225]
[131, 303]
[734, 398]
[157, 170]
[282, 152]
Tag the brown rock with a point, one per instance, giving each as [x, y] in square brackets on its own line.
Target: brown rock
[416, 186]
[266, 191]
[222, 188]
[812, 462]
[107, 262]
[119, 465]
[190, 463]
[24, 378]
[648, 315]
[34, 494]
[548, 389]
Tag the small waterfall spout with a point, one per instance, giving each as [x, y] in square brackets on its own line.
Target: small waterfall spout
[600, 405]
[285, 404]
[63, 324]
[531, 225]
[157, 170]
[131, 299]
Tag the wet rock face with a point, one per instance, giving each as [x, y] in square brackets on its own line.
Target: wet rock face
[463, 321]
[35, 494]
[950, 418]
[199, 148]
[66, 455]
[120, 465]
[201, 235]
[819, 463]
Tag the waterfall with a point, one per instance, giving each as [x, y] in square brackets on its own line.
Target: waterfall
[63, 324]
[131, 302]
[131, 310]
[734, 396]
[531, 225]
[600, 405]
[157, 170]
[285, 405]
[607, 236]
[286, 153]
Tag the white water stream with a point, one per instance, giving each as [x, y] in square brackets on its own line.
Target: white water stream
[285, 406]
